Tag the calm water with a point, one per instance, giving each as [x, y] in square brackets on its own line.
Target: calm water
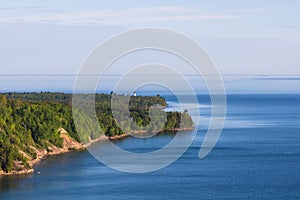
[257, 157]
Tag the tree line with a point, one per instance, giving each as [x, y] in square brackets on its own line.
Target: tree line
[32, 120]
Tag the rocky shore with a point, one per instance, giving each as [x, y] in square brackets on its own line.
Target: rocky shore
[69, 144]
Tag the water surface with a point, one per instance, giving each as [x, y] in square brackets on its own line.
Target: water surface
[257, 157]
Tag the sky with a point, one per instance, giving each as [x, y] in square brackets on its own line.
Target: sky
[242, 37]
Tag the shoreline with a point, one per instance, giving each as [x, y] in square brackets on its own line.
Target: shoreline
[117, 137]
[43, 153]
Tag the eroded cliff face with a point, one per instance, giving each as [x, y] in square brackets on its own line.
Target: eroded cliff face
[69, 144]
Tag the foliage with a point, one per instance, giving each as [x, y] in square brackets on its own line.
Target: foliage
[32, 120]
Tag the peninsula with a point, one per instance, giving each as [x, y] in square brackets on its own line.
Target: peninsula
[35, 125]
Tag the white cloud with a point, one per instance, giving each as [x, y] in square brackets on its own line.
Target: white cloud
[254, 10]
[121, 16]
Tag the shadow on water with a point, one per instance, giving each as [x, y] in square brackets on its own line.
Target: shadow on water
[12, 182]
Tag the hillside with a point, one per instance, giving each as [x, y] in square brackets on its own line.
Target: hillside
[33, 125]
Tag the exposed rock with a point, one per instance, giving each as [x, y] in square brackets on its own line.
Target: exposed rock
[69, 144]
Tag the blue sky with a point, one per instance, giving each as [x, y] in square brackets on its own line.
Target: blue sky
[242, 37]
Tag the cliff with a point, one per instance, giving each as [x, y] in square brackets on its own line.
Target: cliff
[69, 144]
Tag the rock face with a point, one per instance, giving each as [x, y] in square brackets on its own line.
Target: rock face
[69, 144]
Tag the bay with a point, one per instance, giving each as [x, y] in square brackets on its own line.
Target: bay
[257, 157]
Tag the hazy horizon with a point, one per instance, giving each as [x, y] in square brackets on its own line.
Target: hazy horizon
[234, 84]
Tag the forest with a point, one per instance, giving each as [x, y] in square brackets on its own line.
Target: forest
[31, 121]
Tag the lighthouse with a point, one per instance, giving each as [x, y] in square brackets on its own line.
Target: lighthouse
[134, 94]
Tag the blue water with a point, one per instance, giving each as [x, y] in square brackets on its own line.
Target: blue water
[257, 157]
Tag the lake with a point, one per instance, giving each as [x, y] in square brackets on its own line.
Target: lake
[256, 157]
